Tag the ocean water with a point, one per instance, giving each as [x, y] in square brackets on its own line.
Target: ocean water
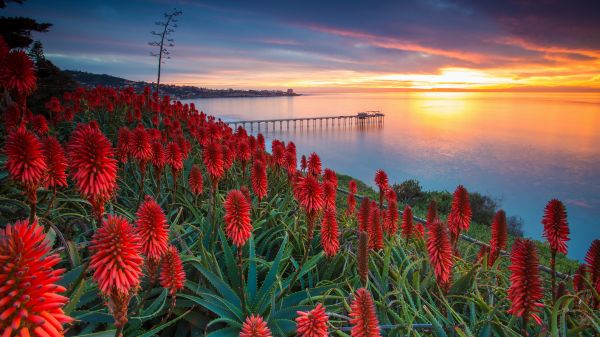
[522, 148]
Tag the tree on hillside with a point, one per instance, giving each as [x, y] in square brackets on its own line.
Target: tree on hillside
[166, 28]
[16, 31]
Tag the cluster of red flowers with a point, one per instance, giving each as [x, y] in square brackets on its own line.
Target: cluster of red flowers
[525, 292]
[30, 303]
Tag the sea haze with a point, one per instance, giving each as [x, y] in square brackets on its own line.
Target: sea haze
[523, 148]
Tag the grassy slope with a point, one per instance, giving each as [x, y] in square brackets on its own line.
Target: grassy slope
[478, 231]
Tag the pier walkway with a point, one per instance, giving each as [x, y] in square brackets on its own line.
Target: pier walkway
[361, 118]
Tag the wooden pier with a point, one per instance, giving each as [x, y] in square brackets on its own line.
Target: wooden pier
[360, 119]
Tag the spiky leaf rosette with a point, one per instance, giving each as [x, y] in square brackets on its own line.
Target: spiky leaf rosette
[30, 303]
[330, 233]
[117, 264]
[592, 263]
[499, 236]
[56, 161]
[525, 290]
[172, 275]
[258, 177]
[459, 218]
[92, 165]
[255, 326]
[314, 165]
[312, 323]
[556, 227]
[195, 180]
[237, 217]
[152, 229]
[440, 253]
[25, 159]
[375, 229]
[363, 317]
[362, 256]
[212, 157]
[17, 73]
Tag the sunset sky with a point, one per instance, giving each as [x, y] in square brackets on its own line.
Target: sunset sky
[334, 45]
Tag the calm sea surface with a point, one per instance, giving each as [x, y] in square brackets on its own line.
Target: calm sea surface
[522, 148]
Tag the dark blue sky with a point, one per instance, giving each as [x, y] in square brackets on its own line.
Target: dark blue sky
[344, 44]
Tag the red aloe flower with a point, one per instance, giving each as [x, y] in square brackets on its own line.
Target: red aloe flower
[92, 165]
[556, 227]
[56, 162]
[440, 253]
[39, 125]
[499, 236]
[212, 156]
[159, 158]
[172, 275]
[309, 194]
[140, 147]
[364, 213]
[351, 204]
[375, 230]
[195, 180]
[278, 152]
[237, 217]
[312, 323]
[117, 264]
[592, 263]
[123, 140]
[258, 177]
[152, 228]
[556, 231]
[330, 233]
[25, 160]
[391, 217]
[352, 187]
[431, 212]
[525, 290]
[362, 257]
[459, 218]
[30, 303]
[303, 163]
[329, 194]
[407, 222]
[291, 160]
[329, 175]
[255, 326]
[363, 317]
[174, 158]
[381, 180]
[314, 165]
[17, 73]
[420, 230]
[579, 278]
